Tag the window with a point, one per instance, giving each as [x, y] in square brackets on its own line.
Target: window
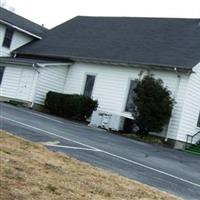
[89, 84]
[129, 101]
[1, 73]
[198, 122]
[8, 37]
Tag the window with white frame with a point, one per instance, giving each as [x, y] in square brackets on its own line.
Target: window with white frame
[198, 122]
[89, 84]
[129, 102]
[8, 37]
[2, 68]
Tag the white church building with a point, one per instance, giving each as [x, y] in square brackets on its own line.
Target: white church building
[101, 57]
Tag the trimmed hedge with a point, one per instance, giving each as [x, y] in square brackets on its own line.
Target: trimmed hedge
[71, 106]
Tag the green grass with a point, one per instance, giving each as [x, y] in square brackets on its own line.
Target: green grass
[195, 149]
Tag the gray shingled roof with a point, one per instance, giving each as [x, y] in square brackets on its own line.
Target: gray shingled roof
[21, 22]
[154, 41]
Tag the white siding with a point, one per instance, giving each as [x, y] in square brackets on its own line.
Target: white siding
[191, 107]
[112, 84]
[18, 40]
[179, 95]
[18, 82]
[50, 79]
[109, 87]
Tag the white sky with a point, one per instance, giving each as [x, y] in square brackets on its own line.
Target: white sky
[53, 12]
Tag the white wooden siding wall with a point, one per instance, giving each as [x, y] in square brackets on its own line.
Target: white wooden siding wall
[18, 40]
[109, 87]
[191, 107]
[112, 85]
[50, 79]
[18, 82]
[179, 96]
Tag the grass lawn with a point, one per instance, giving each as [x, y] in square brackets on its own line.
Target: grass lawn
[29, 171]
[195, 149]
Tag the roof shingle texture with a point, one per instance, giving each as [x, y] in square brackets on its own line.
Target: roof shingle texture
[159, 41]
[21, 22]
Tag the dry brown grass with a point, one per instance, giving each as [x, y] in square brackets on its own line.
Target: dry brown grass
[29, 171]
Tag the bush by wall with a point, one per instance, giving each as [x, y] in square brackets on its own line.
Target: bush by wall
[153, 105]
[71, 106]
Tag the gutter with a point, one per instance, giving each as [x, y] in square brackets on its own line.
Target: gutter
[138, 65]
[53, 64]
[14, 62]
[36, 64]
[111, 62]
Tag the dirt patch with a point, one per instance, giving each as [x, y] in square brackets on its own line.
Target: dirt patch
[30, 171]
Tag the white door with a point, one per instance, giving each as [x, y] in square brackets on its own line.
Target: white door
[26, 84]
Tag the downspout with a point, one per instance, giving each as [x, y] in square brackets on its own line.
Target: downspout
[36, 84]
[178, 83]
[67, 71]
[175, 95]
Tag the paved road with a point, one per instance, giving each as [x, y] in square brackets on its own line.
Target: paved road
[167, 169]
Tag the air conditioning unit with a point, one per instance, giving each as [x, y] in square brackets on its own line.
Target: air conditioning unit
[107, 120]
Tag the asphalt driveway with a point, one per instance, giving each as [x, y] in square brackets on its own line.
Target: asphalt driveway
[170, 170]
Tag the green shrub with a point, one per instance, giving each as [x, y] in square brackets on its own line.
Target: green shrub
[153, 105]
[71, 106]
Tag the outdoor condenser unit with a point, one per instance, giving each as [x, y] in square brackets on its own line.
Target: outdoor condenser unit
[106, 120]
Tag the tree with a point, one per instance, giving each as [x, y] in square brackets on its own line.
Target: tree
[153, 105]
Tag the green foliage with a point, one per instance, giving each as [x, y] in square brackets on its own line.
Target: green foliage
[194, 149]
[73, 106]
[15, 103]
[153, 105]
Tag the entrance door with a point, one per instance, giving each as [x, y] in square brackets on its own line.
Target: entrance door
[26, 85]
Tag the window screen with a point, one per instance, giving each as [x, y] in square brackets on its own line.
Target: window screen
[89, 84]
[198, 122]
[8, 37]
[129, 103]
[1, 73]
